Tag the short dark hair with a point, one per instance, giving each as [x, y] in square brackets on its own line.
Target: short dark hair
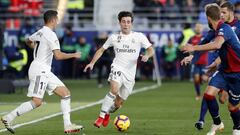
[125, 14]
[49, 15]
[213, 11]
[227, 5]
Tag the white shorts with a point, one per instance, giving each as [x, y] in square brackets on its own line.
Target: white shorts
[126, 86]
[41, 81]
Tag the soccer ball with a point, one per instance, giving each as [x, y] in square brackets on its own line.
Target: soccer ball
[122, 123]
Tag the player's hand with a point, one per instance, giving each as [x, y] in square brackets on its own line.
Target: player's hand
[89, 66]
[186, 60]
[144, 58]
[188, 48]
[77, 55]
[211, 68]
[223, 96]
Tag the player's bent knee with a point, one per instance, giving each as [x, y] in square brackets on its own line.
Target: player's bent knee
[37, 101]
[208, 96]
[114, 91]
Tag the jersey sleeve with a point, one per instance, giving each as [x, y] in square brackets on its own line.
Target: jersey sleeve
[225, 32]
[54, 42]
[208, 37]
[108, 43]
[144, 41]
[34, 36]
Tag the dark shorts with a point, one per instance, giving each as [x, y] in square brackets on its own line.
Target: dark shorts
[228, 82]
[198, 69]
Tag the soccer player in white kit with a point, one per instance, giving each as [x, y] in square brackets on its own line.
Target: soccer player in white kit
[127, 45]
[46, 45]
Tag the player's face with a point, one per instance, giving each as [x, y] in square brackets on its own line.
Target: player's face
[126, 25]
[225, 14]
[198, 28]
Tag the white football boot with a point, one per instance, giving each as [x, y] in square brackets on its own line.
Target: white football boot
[7, 124]
[73, 128]
[236, 132]
[215, 128]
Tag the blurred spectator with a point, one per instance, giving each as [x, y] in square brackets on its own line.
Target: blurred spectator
[172, 10]
[74, 6]
[105, 60]
[140, 3]
[146, 69]
[16, 6]
[191, 9]
[155, 7]
[237, 10]
[187, 33]
[1, 46]
[68, 43]
[13, 23]
[84, 48]
[169, 57]
[25, 31]
[4, 4]
[32, 7]
[17, 58]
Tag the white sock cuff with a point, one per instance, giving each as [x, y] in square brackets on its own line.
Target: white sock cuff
[66, 97]
[33, 104]
[111, 95]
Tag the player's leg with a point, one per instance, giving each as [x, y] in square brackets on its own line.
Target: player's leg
[233, 104]
[199, 125]
[196, 80]
[216, 83]
[108, 101]
[235, 115]
[213, 107]
[197, 83]
[36, 91]
[57, 87]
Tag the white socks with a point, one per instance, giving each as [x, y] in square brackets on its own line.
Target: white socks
[108, 101]
[23, 108]
[66, 108]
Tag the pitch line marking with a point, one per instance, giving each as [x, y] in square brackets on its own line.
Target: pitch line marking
[79, 108]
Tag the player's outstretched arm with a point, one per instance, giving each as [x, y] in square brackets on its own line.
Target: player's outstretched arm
[219, 40]
[62, 56]
[96, 56]
[150, 53]
[30, 43]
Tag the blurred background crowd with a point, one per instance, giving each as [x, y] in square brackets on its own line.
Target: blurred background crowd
[85, 27]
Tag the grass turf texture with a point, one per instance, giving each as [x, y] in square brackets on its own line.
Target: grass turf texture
[168, 110]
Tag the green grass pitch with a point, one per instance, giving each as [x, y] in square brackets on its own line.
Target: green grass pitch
[168, 110]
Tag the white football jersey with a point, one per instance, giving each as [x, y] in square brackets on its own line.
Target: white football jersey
[46, 41]
[127, 49]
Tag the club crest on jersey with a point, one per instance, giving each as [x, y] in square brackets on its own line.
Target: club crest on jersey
[119, 38]
[133, 40]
